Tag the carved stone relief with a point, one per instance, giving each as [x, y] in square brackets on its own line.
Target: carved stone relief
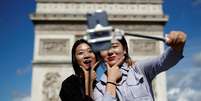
[119, 9]
[61, 27]
[51, 86]
[142, 47]
[139, 27]
[54, 47]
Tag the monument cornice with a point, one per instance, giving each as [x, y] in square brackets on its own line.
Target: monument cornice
[101, 1]
[76, 17]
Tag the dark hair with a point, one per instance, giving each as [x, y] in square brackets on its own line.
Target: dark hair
[76, 66]
[125, 47]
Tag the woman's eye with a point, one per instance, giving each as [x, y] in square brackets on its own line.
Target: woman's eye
[114, 46]
[90, 51]
[80, 53]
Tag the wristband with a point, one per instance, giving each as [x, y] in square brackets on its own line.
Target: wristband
[112, 83]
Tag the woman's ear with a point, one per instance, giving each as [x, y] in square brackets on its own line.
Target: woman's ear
[124, 52]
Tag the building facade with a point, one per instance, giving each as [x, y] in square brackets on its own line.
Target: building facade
[58, 23]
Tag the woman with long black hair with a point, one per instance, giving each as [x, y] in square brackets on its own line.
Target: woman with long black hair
[76, 87]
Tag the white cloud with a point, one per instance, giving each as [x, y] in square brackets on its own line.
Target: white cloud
[185, 86]
[196, 2]
[20, 96]
[173, 91]
[186, 94]
[197, 59]
[24, 70]
[190, 94]
[23, 98]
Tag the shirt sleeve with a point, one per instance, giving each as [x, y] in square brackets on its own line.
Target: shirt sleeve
[152, 67]
[99, 96]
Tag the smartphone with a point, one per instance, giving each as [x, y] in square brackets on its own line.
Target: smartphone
[94, 19]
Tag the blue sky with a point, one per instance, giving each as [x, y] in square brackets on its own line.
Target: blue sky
[17, 37]
[16, 44]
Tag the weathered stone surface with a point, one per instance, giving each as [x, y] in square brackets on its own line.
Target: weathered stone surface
[54, 47]
[144, 47]
[51, 86]
[39, 18]
[112, 9]
[82, 27]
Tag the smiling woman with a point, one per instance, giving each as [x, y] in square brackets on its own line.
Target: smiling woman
[75, 87]
[126, 80]
[84, 56]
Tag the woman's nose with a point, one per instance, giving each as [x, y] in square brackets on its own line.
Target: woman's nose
[87, 55]
[110, 51]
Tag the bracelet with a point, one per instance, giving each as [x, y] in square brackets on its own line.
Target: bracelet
[112, 83]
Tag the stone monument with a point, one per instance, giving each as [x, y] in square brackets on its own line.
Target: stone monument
[58, 23]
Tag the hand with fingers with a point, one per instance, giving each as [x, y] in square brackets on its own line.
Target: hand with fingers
[90, 76]
[176, 40]
[113, 74]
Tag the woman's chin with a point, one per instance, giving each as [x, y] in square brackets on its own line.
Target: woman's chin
[111, 63]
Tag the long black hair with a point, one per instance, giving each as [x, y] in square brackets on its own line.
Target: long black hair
[125, 47]
[76, 66]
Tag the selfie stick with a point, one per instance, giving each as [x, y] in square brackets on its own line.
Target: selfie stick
[99, 28]
[146, 36]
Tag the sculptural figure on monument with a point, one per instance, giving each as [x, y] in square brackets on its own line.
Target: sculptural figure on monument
[51, 86]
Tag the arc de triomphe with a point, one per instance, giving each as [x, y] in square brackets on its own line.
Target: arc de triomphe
[58, 23]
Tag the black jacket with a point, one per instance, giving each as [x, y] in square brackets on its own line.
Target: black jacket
[72, 89]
